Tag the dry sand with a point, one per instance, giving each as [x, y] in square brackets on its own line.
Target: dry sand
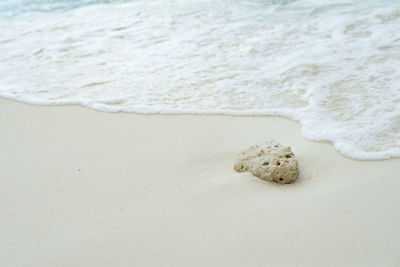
[85, 188]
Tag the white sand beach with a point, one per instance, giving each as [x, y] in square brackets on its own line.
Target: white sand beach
[87, 188]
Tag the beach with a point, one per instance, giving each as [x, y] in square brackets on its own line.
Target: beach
[86, 188]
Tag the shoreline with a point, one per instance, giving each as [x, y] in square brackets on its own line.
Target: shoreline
[81, 187]
[366, 158]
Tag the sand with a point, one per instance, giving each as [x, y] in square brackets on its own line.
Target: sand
[85, 188]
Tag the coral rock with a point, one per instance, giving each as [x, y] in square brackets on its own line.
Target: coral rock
[269, 161]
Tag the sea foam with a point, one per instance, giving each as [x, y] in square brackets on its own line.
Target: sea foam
[334, 66]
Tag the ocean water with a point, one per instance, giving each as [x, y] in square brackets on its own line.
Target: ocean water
[332, 65]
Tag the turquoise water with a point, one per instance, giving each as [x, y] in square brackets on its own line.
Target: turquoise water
[15, 8]
[334, 66]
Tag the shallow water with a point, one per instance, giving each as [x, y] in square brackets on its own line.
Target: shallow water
[332, 65]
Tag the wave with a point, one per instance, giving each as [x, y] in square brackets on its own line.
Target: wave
[334, 67]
